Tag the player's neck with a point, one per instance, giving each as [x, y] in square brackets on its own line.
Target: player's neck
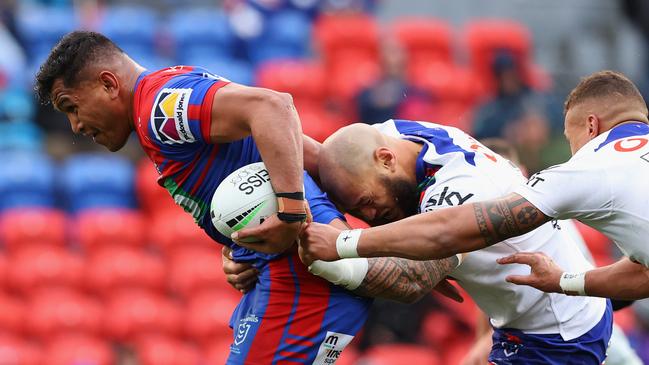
[408, 152]
[130, 81]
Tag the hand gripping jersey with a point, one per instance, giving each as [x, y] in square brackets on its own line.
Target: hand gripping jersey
[290, 316]
[604, 185]
[454, 169]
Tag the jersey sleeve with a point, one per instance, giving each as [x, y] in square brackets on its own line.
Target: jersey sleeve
[322, 208]
[182, 110]
[570, 190]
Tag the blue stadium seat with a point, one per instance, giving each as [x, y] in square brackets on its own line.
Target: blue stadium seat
[26, 180]
[287, 34]
[201, 33]
[234, 70]
[20, 136]
[41, 27]
[96, 180]
[16, 104]
[133, 28]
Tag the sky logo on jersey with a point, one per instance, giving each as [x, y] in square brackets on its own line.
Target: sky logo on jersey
[169, 119]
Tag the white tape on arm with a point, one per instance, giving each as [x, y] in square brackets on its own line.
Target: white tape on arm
[348, 273]
[573, 283]
[347, 242]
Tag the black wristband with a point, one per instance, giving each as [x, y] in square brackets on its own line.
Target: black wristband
[298, 195]
[292, 217]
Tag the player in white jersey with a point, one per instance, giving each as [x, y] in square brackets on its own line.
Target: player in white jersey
[603, 185]
[401, 168]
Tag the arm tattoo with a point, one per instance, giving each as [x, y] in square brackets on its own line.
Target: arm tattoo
[403, 280]
[505, 218]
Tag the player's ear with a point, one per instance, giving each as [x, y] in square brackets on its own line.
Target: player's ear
[385, 158]
[110, 83]
[593, 126]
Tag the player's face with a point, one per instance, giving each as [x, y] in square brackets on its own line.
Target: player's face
[379, 199]
[576, 129]
[93, 112]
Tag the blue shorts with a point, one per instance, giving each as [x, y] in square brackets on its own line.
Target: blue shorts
[294, 317]
[511, 346]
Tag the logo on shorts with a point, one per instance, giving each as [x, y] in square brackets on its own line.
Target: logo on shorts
[244, 328]
[331, 348]
[169, 120]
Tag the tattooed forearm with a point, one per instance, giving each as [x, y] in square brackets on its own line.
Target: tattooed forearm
[403, 280]
[505, 218]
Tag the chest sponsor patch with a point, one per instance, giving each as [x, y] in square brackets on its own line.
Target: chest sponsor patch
[169, 120]
[331, 348]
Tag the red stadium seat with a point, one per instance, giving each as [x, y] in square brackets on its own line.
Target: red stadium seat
[194, 269]
[33, 267]
[485, 38]
[130, 313]
[16, 351]
[304, 80]
[349, 44]
[4, 264]
[32, 226]
[425, 41]
[12, 314]
[438, 329]
[319, 123]
[172, 230]
[67, 350]
[164, 350]
[217, 352]
[109, 227]
[109, 268]
[399, 354]
[63, 312]
[153, 198]
[208, 315]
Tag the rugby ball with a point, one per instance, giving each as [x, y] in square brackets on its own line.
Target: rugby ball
[243, 200]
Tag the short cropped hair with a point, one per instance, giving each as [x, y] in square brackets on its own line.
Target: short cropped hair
[69, 58]
[603, 84]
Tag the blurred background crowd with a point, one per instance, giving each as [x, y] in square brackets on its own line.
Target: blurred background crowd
[97, 266]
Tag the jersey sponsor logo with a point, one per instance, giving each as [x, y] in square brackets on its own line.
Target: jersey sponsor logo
[624, 131]
[630, 144]
[331, 348]
[169, 120]
[446, 198]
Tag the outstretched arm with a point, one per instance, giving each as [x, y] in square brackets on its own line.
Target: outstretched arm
[624, 279]
[433, 235]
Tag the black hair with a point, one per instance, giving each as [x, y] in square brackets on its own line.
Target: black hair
[69, 58]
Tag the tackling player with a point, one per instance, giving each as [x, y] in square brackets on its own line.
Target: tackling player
[197, 128]
[603, 185]
[399, 168]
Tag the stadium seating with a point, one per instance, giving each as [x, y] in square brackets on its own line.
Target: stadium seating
[26, 180]
[133, 28]
[192, 269]
[96, 180]
[208, 315]
[152, 197]
[14, 350]
[12, 316]
[120, 267]
[42, 26]
[131, 313]
[399, 354]
[201, 34]
[95, 228]
[164, 350]
[62, 312]
[39, 267]
[173, 230]
[425, 41]
[22, 227]
[286, 36]
[306, 81]
[66, 350]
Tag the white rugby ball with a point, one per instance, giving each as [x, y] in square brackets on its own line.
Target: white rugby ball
[243, 200]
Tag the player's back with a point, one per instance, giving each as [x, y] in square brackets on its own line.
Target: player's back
[456, 169]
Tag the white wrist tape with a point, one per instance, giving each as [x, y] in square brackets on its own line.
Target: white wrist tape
[348, 273]
[347, 242]
[573, 283]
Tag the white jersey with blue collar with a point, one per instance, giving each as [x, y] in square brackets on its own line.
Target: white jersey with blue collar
[604, 185]
[453, 169]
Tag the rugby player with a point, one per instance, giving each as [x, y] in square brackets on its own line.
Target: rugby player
[399, 168]
[603, 185]
[197, 128]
